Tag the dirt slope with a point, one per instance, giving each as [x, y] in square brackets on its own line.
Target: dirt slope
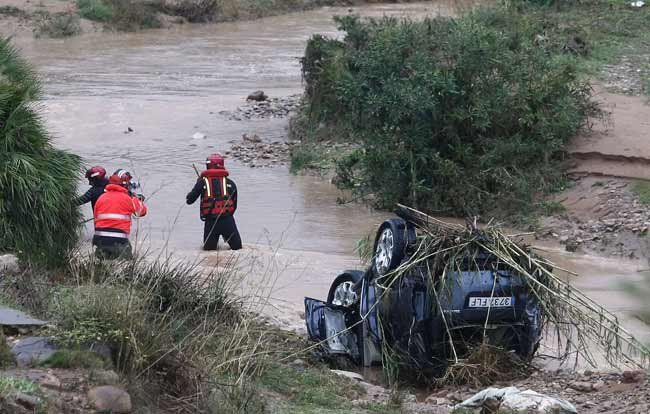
[618, 145]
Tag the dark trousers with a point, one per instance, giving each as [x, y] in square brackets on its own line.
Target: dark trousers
[109, 248]
[223, 226]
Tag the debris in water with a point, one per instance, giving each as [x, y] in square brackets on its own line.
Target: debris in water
[198, 135]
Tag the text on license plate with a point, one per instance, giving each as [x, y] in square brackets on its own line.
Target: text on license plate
[490, 302]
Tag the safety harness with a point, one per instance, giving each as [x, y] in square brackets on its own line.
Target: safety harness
[215, 200]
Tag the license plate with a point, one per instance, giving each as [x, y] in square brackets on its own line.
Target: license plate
[490, 302]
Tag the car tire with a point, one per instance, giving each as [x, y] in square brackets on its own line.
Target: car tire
[352, 276]
[390, 245]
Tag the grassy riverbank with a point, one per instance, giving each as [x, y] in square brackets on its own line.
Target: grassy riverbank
[468, 115]
[64, 18]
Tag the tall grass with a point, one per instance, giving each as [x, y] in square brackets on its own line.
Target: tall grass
[176, 327]
[37, 181]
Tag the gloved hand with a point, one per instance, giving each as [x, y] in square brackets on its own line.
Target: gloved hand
[140, 197]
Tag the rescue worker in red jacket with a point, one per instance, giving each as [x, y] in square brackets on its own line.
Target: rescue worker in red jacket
[113, 212]
[218, 204]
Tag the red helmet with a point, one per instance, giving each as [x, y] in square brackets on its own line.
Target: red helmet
[95, 173]
[121, 177]
[214, 161]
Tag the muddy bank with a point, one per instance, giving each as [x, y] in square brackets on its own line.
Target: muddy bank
[603, 215]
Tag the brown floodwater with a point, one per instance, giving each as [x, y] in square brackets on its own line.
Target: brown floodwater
[169, 84]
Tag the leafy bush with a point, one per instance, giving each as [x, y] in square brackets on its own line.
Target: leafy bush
[195, 11]
[126, 15]
[459, 116]
[37, 181]
[131, 15]
[96, 10]
[57, 25]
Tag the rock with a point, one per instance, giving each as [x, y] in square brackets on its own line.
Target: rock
[108, 377]
[582, 386]
[632, 377]
[348, 374]
[28, 401]
[100, 348]
[251, 138]
[198, 135]
[257, 96]
[599, 385]
[50, 381]
[9, 264]
[32, 349]
[572, 245]
[432, 399]
[298, 363]
[111, 399]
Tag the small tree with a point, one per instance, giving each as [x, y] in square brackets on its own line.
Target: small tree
[459, 116]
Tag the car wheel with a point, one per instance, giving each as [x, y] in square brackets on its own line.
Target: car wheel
[342, 292]
[390, 245]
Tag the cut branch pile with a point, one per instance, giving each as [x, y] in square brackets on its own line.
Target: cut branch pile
[579, 327]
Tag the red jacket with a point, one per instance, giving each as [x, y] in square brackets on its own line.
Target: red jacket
[115, 207]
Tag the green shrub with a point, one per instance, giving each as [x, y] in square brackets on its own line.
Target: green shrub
[195, 11]
[73, 359]
[37, 181]
[57, 25]
[131, 15]
[126, 15]
[461, 116]
[97, 10]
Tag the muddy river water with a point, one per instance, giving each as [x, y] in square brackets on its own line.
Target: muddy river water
[169, 84]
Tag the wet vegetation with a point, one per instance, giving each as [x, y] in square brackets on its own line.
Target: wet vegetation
[467, 115]
[37, 181]
[128, 15]
[456, 116]
[57, 25]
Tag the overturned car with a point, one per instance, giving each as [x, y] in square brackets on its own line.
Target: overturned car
[429, 294]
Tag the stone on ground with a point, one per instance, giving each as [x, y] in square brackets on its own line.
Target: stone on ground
[110, 399]
[257, 96]
[9, 264]
[32, 349]
[13, 317]
[108, 377]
